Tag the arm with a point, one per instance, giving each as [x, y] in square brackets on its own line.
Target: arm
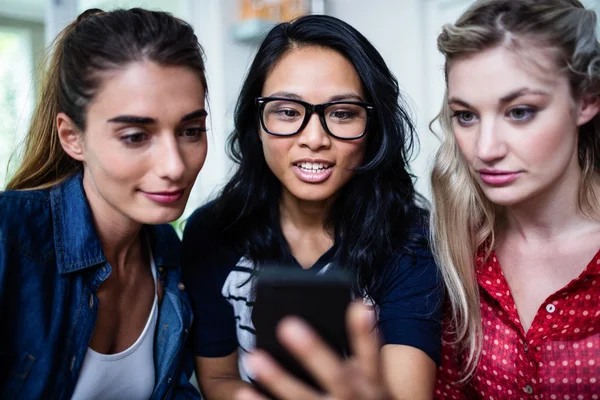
[410, 325]
[218, 377]
[206, 265]
[409, 372]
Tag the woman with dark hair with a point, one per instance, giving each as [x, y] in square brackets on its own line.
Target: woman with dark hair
[321, 145]
[91, 300]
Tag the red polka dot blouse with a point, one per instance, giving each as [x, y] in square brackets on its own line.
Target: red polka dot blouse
[558, 357]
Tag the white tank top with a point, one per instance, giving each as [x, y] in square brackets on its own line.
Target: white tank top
[126, 375]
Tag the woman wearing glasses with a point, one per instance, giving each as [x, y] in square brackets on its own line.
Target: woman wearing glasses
[321, 146]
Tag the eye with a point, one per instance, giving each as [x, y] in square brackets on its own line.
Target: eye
[287, 113]
[465, 117]
[521, 113]
[342, 114]
[134, 138]
[194, 132]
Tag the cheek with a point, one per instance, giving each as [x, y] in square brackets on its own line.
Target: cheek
[195, 156]
[276, 151]
[108, 159]
[466, 143]
[549, 143]
[355, 154]
[349, 156]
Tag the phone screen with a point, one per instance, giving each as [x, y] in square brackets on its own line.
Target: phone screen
[320, 299]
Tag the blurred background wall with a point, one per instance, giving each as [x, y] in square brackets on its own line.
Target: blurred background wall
[404, 31]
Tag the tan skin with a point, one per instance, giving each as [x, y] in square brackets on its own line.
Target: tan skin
[127, 163]
[125, 298]
[545, 240]
[302, 225]
[317, 75]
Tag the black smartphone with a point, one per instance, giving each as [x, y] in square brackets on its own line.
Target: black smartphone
[320, 299]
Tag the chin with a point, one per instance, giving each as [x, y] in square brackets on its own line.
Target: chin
[504, 197]
[160, 216]
[315, 195]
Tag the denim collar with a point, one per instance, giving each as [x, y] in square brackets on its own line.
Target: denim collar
[76, 242]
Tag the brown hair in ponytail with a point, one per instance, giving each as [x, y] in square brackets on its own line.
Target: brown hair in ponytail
[95, 43]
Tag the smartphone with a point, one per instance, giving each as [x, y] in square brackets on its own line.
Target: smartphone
[320, 299]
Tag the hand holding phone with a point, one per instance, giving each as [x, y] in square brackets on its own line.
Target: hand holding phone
[321, 300]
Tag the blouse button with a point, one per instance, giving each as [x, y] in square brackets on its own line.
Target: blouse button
[550, 308]
[181, 286]
[528, 389]
[91, 300]
[525, 347]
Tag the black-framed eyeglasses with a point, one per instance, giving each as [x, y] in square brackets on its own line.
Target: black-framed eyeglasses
[345, 120]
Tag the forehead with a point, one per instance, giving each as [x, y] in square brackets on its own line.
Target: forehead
[312, 70]
[147, 88]
[492, 73]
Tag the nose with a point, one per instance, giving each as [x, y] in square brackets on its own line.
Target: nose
[491, 145]
[169, 162]
[314, 135]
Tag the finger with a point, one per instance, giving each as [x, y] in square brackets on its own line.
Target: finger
[364, 340]
[248, 394]
[277, 380]
[316, 356]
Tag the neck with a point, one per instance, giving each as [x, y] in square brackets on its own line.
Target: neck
[305, 215]
[119, 235]
[552, 214]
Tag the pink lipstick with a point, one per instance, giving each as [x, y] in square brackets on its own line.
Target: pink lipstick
[497, 177]
[164, 197]
[313, 170]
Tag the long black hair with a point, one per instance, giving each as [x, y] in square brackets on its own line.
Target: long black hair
[373, 213]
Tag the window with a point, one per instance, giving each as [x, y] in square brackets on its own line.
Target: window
[17, 96]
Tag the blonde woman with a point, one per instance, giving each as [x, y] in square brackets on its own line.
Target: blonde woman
[517, 217]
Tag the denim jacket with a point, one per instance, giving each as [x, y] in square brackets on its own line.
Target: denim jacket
[51, 265]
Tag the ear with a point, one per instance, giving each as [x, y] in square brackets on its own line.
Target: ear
[589, 106]
[70, 137]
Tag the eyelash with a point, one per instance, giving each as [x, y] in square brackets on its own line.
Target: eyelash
[457, 114]
[130, 139]
[531, 112]
[198, 130]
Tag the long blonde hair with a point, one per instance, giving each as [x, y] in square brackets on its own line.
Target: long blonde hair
[464, 220]
[82, 53]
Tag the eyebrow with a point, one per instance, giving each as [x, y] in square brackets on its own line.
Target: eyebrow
[132, 119]
[195, 114]
[339, 97]
[521, 92]
[506, 99]
[137, 120]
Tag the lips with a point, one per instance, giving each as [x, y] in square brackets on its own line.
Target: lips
[165, 197]
[498, 177]
[313, 171]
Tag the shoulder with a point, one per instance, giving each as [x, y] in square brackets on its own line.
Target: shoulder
[206, 254]
[19, 204]
[167, 235]
[413, 263]
[26, 221]
[202, 224]
[415, 248]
